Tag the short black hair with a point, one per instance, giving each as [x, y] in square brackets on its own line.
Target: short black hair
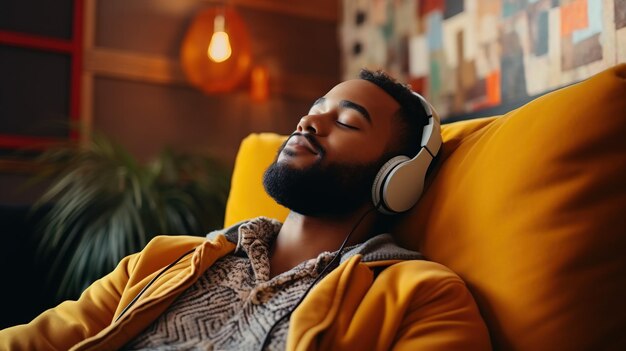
[412, 115]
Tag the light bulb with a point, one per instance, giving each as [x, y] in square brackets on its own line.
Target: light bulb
[219, 47]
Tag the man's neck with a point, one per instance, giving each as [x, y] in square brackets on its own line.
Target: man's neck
[304, 237]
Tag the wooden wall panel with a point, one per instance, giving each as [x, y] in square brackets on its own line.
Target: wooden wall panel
[139, 96]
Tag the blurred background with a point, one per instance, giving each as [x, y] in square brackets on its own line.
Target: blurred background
[121, 119]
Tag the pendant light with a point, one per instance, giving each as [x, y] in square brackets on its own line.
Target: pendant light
[215, 52]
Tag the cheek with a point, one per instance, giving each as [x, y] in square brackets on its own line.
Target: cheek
[361, 149]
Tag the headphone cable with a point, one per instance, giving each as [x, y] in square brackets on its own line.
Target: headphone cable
[319, 277]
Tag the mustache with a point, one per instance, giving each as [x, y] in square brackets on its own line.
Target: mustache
[311, 139]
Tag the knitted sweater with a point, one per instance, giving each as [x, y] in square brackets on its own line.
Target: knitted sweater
[235, 303]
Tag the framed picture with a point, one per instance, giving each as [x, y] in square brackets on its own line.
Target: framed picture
[40, 72]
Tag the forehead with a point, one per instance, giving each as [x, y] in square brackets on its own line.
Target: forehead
[367, 94]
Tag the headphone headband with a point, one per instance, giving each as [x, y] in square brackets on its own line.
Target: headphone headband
[431, 134]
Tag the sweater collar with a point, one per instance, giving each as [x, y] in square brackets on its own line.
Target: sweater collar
[378, 248]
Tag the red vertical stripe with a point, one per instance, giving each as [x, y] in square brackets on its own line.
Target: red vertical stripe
[77, 67]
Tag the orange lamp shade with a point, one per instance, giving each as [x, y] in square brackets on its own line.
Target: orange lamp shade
[210, 75]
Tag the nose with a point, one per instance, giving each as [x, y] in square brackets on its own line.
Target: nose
[314, 124]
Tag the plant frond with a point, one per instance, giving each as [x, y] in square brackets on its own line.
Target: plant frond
[105, 205]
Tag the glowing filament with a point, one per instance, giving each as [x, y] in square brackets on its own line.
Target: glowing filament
[219, 47]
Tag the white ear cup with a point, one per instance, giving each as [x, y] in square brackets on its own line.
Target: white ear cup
[379, 181]
[404, 185]
[400, 182]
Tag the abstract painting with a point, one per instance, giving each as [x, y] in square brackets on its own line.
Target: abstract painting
[469, 55]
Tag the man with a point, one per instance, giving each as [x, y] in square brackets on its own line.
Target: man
[247, 287]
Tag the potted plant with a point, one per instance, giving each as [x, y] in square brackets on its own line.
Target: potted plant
[103, 204]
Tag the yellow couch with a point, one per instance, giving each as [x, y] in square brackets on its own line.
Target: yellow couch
[529, 208]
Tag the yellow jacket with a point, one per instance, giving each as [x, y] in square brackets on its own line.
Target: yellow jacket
[410, 305]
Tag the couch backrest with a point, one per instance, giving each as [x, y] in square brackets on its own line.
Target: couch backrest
[529, 208]
[247, 198]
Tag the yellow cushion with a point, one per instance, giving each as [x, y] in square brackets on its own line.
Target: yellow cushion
[529, 208]
[247, 198]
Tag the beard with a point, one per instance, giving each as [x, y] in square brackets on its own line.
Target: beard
[333, 190]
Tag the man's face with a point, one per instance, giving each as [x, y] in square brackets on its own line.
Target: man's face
[327, 167]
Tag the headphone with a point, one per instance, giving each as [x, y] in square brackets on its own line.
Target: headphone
[400, 181]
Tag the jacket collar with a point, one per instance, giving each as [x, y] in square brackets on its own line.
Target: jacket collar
[381, 247]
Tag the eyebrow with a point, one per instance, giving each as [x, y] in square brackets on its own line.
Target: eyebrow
[351, 105]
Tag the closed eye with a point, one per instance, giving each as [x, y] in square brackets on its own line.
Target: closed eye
[343, 125]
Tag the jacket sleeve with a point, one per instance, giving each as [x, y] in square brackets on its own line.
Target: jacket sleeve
[442, 315]
[63, 326]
